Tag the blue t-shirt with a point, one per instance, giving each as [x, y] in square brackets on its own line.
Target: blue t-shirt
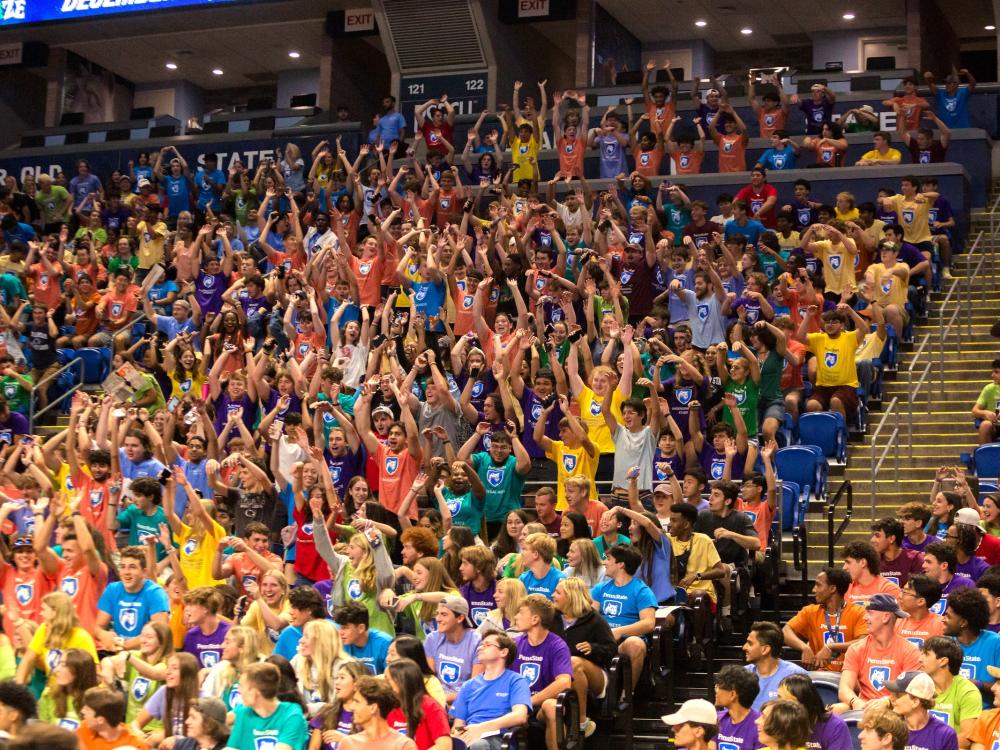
[953, 110]
[981, 653]
[23, 232]
[545, 586]
[481, 700]
[752, 230]
[287, 644]
[205, 182]
[178, 191]
[389, 127]
[428, 298]
[769, 685]
[159, 292]
[621, 605]
[774, 159]
[372, 653]
[131, 611]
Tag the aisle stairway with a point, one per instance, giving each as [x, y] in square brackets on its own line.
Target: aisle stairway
[942, 426]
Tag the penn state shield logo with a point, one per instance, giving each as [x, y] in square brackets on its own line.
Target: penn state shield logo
[24, 592]
[265, 743]
[70, 585]
[354, 588]
[536, 411]
[728, 746]
[569, 463]
[878, 676]
[886, 287]
[925, 157]
[128, 617]
[208, 282]
[569, 148]
[756, 205]
[391, 464]
[69, 724]
[467, 302]
[421, 294]
[116, 309]
[610, 149]
[741, 397]
[612, 608]
[140, 688]
[10, 390]
[818, 115]
[826, 155]
[769, 120]
[908, 215]
[477, 389]
[727, 147]
[446, 203]
[454, 506]
[478, 615]
[209, 658]
[53, 658]
[685, 161]
[530, 671]
[703, 312]
[779, 161]
[595, 407]
[942, 716]
[307, 529]
[835, 262]
[335, 474]
[235, 697]
[494, 477]
[186, 385]
[918, 642]
[968, 671]
[449, 672]
[96, 496]
[364, 268]
[494, 294]
[718, 467]
[684, 395]
[830, 359]
[805, 216]
[626, 276]
[190, 546]
[951, 105]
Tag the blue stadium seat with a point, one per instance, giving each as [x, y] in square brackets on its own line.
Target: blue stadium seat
[987, 488]
[791, 505]
[806, 466]
[826, 684]
[826, 429]
[96, 364]
[890, 352]
[852, 719]
[986, 460]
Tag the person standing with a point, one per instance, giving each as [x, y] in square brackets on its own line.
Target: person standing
[953, 102]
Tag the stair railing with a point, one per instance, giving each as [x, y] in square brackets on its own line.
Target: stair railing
[970, 278]
[890, 443]
[33, 413]
[846, 489]
[911, 390]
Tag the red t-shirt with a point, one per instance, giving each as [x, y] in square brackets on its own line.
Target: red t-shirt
[433, 135]
[307, 559]
[94, 505]
[755, 200]
[433, 727]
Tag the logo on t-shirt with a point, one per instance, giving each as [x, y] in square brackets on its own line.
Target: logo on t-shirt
[940, 606]
[612, 608]
[769, 120]
[830, 359]
[52, 658]
[116, 309]
[968, 671]
[909, 215]
[703, 312]
[449, 671]
[835, 262]
[70, 585]
[494, 477]
[128, 617]
[611, 149]
[727, 147]
[531, 671]
[354, 588]
[685, 161]
[190, 546]
[391, 464]
[943, 716]
[779, 161]
[684, 395]
[140, 688]
[536, 411]
[209, 658]
[832, 637]
[569, 463]
[718, 467]
[265, 743]
[24, 593]
[878, 677]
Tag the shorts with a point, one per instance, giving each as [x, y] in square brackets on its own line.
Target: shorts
[102, 338]
[925, 247]
[774, 410]
[848, 396]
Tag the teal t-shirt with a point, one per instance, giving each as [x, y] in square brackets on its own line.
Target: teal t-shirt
[286, 726]
[503, 485]
[466, 509]
[140, 526]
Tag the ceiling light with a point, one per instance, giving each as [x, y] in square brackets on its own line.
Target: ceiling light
[216, 71]
[746, 32]
[991, 27]
[294, 55]
[701, 24]
[848, 16]
[171, 66]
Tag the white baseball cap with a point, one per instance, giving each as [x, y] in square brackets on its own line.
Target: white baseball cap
[697, 711]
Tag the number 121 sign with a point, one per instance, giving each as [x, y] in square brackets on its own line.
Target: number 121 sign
[467, 92]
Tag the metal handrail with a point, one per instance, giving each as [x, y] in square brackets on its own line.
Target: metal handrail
[832, 537]
[32, 413]
[876, 466]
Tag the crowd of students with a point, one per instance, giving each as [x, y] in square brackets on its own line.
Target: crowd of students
[402, 460]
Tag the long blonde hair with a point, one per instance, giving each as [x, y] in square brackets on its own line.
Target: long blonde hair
[578, 599]
[166, 640]
[63, 620]
[365, 571]
[437, 580]
[514, 593]
[327, 656]
[248, 642]
[590, 567]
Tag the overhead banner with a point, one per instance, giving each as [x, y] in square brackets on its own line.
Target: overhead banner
[17, 12]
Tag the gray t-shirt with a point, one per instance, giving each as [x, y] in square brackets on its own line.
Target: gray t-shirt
[453, 662]
[634, 449]
[432, 416]
[705, 319]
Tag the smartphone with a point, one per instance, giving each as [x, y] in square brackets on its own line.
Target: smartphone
[547, 402]
[191, 417]
[173, 403]
[164, 476]
[27, 441]
[277, 426]
[118, 413]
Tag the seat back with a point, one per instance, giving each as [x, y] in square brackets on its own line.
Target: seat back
[827, 430]
[986, 459]
[96, 363]
[790, 494]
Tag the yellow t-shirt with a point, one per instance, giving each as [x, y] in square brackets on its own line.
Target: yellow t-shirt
[892, 292]
[703, 558]
[48, 658]
[838, 264]
[590, 415]
[254, 619]
[892, 154]
[192, 386]
[520, 152]
[196, 555]
[151, 243]
[835, 358]
[793, 240]
[870, 348]
[851, 215]
[572, 462]
[912, 217]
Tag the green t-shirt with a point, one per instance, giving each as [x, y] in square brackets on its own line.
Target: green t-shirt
[770, 378]
[503, 485]
[747, 394]
[353, 591]
[141, 526]
[989, 397]
[603, 307]
[116, 262]
[53, 204]
[140, 690]
[466, 509]
[47, 712]
[961, 701]
[286, 726]
[243, 201]
[100, 236]
[18, 397]
[151, 383]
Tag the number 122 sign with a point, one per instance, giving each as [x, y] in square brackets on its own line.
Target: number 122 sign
[467, 92]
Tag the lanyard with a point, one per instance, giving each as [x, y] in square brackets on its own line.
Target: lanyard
[835, 627]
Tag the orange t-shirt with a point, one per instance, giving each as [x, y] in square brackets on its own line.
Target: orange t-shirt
[22, 595]
[986, 732]
[647, 163]
[761, 514]
[770, 121]
[396, 472]
[689, 163]
[875, 666]
[732, 153]
[303, 344]
[390, 253]
[246, 571]
[94, 505]
[91, 741]
[84, 588]
[571, 155]
[916, 632]
[664, 115]
[46, 285]
[447, 208]
[911, 109]
[118, 308]
[818, 628]
[859, 594]
[464, 296]
[369, 275]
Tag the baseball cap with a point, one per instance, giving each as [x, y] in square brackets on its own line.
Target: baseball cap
[867, 108]
[382, 410]
[663, 489]
[885, 603]
[917, 684]
[697, 710]
[143, 182]
[22, 542]
[817, 87]
[213, 708]
[459, 606]
[969, 517]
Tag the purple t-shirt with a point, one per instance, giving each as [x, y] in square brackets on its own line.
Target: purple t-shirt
[206, 648]
[679, 396]
[541, 664]
[325, 589]
[531, 406]
[741, 736]
[345, 725]
[936, 735]
[481, 603]
[208, 291]
[714, 463]
[295, 403]
[816, 114]
[453, 662]
[343, 469]
[957, 582]
[676, 462]
[830, 734]
[907, 544]
[972, 569]
[222, 407]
